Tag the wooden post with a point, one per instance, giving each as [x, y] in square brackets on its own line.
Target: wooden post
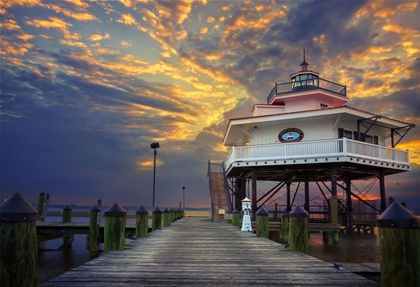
[262, 223]
[173, 217]
[142, 222]
[228, 216]
[156, 219]
[18, 248]
[235, 218]
[284, 227]
[399, 237]
[67, 239]
[166, 217]
[66, 214]
[41, 201]
[298, 232]
[334, 217]
[94, 228]
[114, 231]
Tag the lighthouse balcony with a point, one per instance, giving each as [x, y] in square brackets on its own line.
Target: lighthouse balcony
[305, 85]
[352, 153]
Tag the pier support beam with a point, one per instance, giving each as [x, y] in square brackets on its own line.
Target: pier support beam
[381, 177]
[334, 201]
[254, 193]
[288, 206]
[349, 207]
[306, 205]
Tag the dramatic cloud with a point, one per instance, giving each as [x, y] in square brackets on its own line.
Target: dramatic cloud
[86, 86]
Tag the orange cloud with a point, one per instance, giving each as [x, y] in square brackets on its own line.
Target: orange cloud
[9, 24]
[127, 19]
[55, 23]
[98, 37]
[126, 43]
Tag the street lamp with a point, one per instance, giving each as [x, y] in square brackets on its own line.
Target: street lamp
[154, 146]
[183, 191]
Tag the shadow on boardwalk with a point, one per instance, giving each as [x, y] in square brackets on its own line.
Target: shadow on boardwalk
[199, 252]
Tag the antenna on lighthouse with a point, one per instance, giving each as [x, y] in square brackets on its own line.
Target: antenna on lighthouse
[304, 65]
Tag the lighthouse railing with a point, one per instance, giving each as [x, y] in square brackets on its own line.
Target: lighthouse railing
[303, 85]
[317, 149]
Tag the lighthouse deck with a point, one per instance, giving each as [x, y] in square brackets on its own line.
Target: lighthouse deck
[199, 252]
[351, 152]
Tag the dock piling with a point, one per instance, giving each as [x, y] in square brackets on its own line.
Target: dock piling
[67, 239]
[262, 223]
[142, 222]
[18, 248]
[114, 231]
[166, 217]
[298, 230]
[399, 237]
[156, 219]
[94, 225]
[236, 218]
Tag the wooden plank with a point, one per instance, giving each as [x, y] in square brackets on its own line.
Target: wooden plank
[199, 252]
[362, 267]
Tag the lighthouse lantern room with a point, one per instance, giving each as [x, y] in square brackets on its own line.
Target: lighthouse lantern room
[306, 133]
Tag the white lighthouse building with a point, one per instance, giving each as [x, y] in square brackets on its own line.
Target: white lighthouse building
[306, 133]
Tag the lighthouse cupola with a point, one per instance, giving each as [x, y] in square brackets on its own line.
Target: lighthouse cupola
[305, 78]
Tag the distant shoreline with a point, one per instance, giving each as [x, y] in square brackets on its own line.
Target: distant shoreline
[131, 213]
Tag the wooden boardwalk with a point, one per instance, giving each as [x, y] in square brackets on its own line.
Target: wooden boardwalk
[199, 252]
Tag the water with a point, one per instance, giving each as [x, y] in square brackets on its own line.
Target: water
[53, 262]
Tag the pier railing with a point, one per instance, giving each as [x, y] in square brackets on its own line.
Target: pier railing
[317, 149]
[307, 85]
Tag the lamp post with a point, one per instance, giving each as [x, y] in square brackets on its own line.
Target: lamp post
[183, 191]
[154, 146]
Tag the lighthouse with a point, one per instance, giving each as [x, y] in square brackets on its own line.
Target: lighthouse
[306, 133]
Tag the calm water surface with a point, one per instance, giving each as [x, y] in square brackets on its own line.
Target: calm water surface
[355, 247]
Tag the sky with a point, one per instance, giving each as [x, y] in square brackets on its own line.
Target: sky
[87, 86]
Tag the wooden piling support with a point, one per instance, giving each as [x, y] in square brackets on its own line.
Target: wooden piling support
[18, 248]
[236, 218]
[41, 201]
[94, 225]
[284, 233]
[262, 223]
[156, 219]
[142, 222]
[334, 217]
[114, 231]
[66, 218]
[166, 217]
[66, 214]
[298, 230]
[399, 237]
